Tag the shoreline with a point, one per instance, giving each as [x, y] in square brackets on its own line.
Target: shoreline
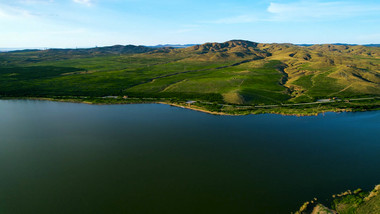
[344, 202]
[200, 110]
[186, 106]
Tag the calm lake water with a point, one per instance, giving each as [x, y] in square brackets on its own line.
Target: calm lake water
[151, 158]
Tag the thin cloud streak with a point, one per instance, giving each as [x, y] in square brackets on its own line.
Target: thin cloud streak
[13, 13]
[315, 9]
[302, 11]
[36, 1]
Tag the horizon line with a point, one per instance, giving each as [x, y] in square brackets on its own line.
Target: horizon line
[185, 44]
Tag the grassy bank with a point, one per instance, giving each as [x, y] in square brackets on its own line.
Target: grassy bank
[349, 202]
[228, 109]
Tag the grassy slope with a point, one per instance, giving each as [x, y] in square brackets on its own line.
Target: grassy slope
[356, 202]
[235, 72]
[372, 206]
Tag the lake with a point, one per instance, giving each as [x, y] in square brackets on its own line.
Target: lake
[153, 158]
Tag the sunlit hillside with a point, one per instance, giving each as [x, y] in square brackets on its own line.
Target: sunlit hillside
[234, 72]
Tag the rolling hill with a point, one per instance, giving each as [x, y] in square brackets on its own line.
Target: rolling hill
[217, 75]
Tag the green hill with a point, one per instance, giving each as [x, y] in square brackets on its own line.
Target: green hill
[230, 77]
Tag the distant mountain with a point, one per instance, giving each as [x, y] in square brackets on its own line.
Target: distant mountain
[116, 49]
[62, 54]
[125, 49]
[172, 46]
[367, 45]
[17, 49]
[21, 50]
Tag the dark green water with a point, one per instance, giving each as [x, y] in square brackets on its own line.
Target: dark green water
[77, 158]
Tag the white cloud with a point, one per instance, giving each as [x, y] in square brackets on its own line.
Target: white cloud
[35, 1]
[85, 2]
[303, 11]
[14, 13]
[3, 14]
[315, 9]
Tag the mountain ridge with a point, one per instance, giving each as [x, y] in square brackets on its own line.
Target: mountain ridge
[145, 48]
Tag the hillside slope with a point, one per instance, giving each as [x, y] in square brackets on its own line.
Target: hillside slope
[235, 72]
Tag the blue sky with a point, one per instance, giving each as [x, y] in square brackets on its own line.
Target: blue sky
[88, 23]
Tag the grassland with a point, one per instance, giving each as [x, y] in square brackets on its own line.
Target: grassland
[235, 77]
